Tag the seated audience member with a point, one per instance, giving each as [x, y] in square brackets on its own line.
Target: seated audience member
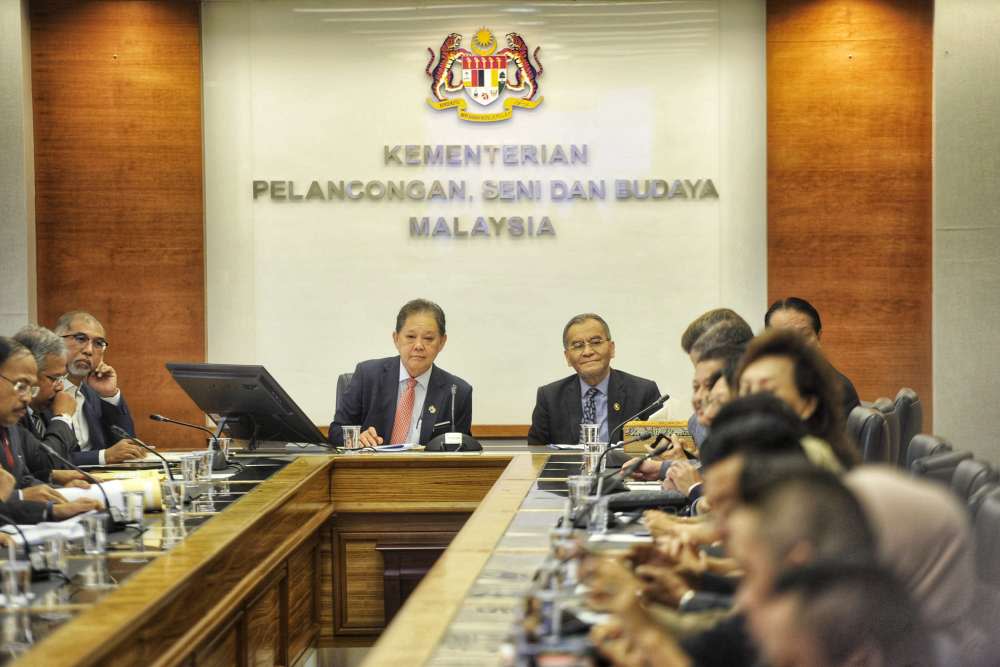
[721, 384]
[924, 538]
[835, 615]
[789, 517]
[32, 504]
[595, 394]
[50, 414]
[406, 398]
[94, 385]
[719, 327]
[800, 315]
[781, 362]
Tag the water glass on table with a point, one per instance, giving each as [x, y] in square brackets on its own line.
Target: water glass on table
[172, 494]
[205, 466]
[352, 437]
[598, 519]
[578, 487]
[95, 537]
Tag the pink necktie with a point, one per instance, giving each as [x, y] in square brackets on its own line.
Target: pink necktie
[404, 413]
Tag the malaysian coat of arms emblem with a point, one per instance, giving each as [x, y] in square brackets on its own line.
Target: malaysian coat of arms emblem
[485, 74]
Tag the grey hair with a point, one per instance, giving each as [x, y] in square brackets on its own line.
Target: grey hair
[66, 319]
[722, 334]
[40, 342]
[580, 319]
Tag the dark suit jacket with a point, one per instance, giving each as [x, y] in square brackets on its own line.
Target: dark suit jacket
[31, 463]
[100, 416]
[558, 408]
[370, 400]
[57, 434]
[848, 394]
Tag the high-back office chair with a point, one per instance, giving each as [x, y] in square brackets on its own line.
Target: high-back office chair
[987, 529]
[970, 476]
[911, 419]
[343, 380]
[888, 409]
[923, 445]
[868, 428]
[940, 467]
[977, 498]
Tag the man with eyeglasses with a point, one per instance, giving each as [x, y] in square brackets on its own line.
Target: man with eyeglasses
[50, 413]
[595, 394]
[94, 385]
[30, 503]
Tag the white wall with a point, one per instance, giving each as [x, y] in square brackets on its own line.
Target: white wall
[17, 178]
[310, 288]
[967, 224]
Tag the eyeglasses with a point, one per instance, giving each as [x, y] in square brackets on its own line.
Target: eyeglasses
[82, 339]
[22, 387]
[57, 378]
[595, 343]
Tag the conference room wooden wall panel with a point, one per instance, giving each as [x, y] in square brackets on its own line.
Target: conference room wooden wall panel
[119, 220]
[849, 181]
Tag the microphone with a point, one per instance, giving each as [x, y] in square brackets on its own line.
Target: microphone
[644, 435]
[113, 525]
[660, 401]
[219, 461]
[626, 471]
[168, 420]
[121, 433]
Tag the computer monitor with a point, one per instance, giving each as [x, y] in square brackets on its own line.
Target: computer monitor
[255, 406]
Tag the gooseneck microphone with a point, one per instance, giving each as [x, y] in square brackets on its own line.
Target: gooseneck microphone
[121, 433]
[168, 420]
[219, 461]
[644, 435]
[113, 525]
[616, 479]
[658, 402]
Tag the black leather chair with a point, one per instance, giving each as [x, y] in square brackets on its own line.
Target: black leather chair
[343, 380]
[940, 467]
[987, 529]
[911, 419]
[868, 428]
[970, 476]
[976, 500]
[888, 409]
[923, 445]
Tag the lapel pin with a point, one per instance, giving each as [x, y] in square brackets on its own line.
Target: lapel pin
[432, 410]
[618, 407]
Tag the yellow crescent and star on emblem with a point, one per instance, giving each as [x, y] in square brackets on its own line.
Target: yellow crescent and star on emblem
[483, 75]
[432, 410]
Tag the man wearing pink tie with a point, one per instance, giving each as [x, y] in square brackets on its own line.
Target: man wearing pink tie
[406, 399]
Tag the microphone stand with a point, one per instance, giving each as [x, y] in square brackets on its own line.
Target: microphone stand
[637, 438]
[112, 524]
[121, 433]
[219, 461]
[625, 471]
[660, 401]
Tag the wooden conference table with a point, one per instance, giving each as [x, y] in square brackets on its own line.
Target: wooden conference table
[321, 552]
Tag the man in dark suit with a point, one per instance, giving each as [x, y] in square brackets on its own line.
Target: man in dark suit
[406, 399]
[94, 385]
[33, 502]
[595, 394]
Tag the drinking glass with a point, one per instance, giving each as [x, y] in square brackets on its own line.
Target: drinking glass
[172, 494]
[598, 520]
[589, 433]
[95, 537]
[352, 437]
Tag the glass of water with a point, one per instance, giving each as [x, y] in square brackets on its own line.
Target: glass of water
[598, 520]
[589, 433]
[579, 488]
[95, 537]
[352, 437]
[172, 494]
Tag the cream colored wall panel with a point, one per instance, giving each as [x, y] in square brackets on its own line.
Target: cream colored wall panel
[300, 91]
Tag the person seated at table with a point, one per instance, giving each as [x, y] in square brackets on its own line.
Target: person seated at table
[594, 394]
[720, 327]
[32, 503]
[94, 385]
[406, 398]
[800, 315]
[783, 363]
[50, 413]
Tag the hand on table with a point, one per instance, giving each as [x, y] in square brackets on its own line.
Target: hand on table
[370, 438]
[123, 450]
[73, 478]
[42, 493]
[66, 510]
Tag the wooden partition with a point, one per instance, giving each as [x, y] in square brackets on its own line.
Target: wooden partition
[116, 90]
[849, 181]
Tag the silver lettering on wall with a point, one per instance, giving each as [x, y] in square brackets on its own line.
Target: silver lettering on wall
[490, 190]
